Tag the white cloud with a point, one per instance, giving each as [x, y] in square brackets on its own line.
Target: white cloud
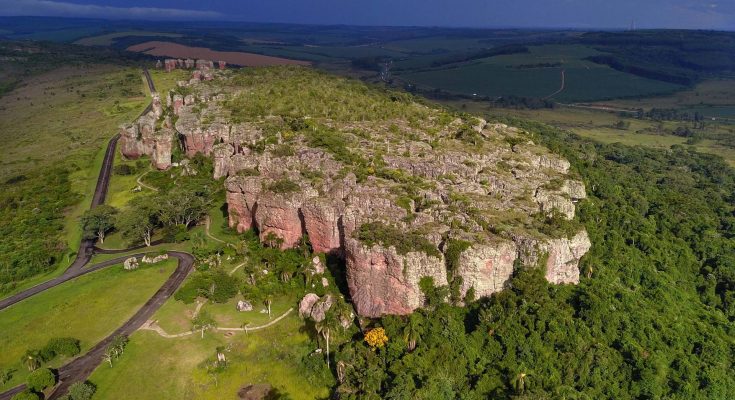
[64, 9]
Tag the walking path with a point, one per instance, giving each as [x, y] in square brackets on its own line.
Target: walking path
[153, 326]
[143, 184]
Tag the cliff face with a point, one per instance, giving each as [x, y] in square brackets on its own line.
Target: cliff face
[418, 182]
[383, 281]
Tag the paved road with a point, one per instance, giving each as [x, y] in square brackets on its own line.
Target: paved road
[79, 369]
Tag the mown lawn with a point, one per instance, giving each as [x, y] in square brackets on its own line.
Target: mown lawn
[87, 308]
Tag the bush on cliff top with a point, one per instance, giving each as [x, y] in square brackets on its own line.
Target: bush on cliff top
[291, 91]
[373, 233]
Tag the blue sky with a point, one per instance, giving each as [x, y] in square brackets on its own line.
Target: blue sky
[702, 14]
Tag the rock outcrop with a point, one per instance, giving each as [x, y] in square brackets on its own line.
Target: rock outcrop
[314, 307]
[146, 137]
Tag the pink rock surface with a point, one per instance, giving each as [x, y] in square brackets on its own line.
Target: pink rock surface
[382, 281]
[321, 218]
[279, 214]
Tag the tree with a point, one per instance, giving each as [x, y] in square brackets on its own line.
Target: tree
[97, 221]
[6, 375]
[412, 331]
[137, 222]
[115, 349]
[267, 302]
[520, 382]
[376, 338]
[202, 322]
[326, 328]
[41, 379]
[181, 206]
[31, 359]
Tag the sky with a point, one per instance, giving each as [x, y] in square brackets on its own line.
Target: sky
[585, 14]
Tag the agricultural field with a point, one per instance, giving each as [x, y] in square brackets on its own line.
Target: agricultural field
[109, 38]
[538, 74]
[168, 49]
[87, 308]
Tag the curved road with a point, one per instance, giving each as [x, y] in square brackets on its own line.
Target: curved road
[80, 368]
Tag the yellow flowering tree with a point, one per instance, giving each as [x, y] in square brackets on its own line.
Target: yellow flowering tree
[376, 338]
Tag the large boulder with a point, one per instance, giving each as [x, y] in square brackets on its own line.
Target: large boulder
[130, 264]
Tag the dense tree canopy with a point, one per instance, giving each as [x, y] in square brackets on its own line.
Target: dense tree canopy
[652, 317]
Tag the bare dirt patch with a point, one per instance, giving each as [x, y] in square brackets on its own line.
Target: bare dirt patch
[168, 49]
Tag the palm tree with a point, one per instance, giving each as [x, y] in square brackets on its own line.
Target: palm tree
[519, 382]
[32, 360]
[412, 332]
[109, 355]
[326, 327]
[268, 301]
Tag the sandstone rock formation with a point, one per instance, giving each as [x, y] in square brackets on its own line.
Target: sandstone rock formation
[244, 306]
[146, 137]
[417, 183]
[154, 260]
[382, 281]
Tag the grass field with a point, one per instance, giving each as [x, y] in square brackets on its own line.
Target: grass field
[157, 368]
[64, 118]
[524, 75]
[87, 308]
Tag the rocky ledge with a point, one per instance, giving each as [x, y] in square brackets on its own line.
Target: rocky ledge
[432, 194]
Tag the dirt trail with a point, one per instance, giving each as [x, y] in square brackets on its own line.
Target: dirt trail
[153, 326]
[563, 85]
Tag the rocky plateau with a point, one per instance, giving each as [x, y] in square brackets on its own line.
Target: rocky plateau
[389, 195]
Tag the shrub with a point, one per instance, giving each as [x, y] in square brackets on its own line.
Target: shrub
[124, 169]
[404, 242]
[41, 379]
[64, 346]
[81, 391]
[283, 186]
[26, 395]
[283, 150]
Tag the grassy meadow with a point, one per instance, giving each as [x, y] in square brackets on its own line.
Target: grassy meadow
[56, 126]
[154, 367]
[87, 308]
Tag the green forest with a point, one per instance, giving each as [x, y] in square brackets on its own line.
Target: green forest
[652, 317]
